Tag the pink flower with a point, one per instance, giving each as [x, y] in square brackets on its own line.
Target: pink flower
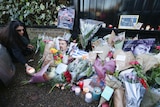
[134, 63]
[158, 47]
[110, 54]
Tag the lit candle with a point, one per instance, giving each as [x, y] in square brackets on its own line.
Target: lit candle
[85, 89]
[77, 90]
[88, 97]
[96, 93]
[148, 27]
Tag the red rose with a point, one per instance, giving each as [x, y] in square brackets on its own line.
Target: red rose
[68, 79]
[55, 57]
[143, 82]
[67, 76]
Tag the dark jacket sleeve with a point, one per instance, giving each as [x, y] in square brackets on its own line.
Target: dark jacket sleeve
[18, 55]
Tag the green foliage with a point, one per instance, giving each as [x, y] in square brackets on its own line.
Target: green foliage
[154, 75]
[32, 12]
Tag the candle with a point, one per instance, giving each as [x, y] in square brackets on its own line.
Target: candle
[85, 89]
[148, 27]
[110, 26]
[88, 97]
[96, 93]
[80, 83]
[77, 90]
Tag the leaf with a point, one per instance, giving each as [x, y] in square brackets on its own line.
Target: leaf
[42, 6]
[157, 79]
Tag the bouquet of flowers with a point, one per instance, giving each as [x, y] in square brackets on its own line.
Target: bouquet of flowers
[119, 40]
[67, 76]
[57, 55]
[134, 90]
[141, 76]
[156, 49]
[61, 80]
[88, 28]
[154, 75]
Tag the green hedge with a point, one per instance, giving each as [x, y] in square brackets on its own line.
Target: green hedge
[32, 12]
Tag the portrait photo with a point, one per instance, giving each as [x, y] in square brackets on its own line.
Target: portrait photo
[66, 18]
[141, 46]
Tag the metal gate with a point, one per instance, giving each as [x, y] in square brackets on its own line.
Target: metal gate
[109, 11]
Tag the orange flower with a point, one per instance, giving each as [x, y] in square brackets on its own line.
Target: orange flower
[61, 56]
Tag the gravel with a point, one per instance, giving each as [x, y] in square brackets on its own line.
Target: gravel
[37, 95]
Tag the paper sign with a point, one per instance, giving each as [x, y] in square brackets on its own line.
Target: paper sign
[107, 93]
[61, 68]
[121, 58]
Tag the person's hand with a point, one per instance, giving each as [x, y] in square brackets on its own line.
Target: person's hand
[29, 70]
[30, 46]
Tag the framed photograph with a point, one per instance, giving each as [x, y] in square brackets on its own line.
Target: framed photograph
[128, 21]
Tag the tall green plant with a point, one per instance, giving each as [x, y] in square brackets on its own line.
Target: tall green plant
[32, 12]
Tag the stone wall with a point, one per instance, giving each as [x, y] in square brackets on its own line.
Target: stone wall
[53, 32]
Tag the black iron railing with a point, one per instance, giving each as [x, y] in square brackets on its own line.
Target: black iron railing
[109, 11]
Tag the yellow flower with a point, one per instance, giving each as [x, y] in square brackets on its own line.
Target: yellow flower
[58, 61]
[53, 50]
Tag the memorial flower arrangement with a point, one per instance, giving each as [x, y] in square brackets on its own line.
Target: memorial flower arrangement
[119, 40]
[141, 76]
[67, 76]
[88, 28]
[157, 49]
[154, 76]
[57, 55]
[61, 81]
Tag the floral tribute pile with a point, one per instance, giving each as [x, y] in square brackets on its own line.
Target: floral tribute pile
[111, 72]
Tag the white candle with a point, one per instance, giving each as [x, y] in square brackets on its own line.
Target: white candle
[77, 90]
[88, 97]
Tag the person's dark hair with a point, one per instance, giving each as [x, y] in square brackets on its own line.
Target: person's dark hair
[9, 35]
[141, 41]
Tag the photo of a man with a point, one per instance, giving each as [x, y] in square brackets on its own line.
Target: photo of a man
[141, 46]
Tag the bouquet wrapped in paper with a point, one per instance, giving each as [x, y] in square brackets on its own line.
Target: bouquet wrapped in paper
[80, 68]
[119, 40]
[134, 90]
[102, 68]
[88, 28]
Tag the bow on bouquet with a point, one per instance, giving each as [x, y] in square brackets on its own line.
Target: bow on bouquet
[104, 67]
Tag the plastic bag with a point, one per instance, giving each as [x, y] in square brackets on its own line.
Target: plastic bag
[151, 98]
